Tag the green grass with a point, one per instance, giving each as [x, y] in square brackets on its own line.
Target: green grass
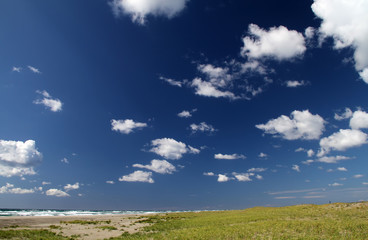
[334, 221]
[84, 222]
[107, 228]
[30, 235]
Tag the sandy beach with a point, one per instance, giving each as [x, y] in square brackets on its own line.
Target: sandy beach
[99, 227]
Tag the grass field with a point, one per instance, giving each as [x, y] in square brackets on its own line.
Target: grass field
[332, 221]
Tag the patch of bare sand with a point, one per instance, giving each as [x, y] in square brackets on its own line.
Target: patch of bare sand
[88, 228]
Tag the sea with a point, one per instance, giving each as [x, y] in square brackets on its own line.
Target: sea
[48, 212]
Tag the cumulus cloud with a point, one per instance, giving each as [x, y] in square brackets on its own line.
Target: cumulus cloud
[18, 158]
[65, 160]
[54, 104]
[137, 176]
[223, 178]
[345, 21]
[46, 183]
[229, 156]
[208, 174]
[295, 84]
[140, 9]
[243, 177]
[56, 193]
[69, 187]
[34, 70]
[359, 120]
[358, 176]
[296, 168]
[342, 140]
[332, 159]
[159, 166]
[208, 89]
[262, 155]
[301, 125]
[345, 115]
[202, 127]
[335, 184]
[171, 149]
[126, 126]
[186, 114]
[110, 182]
[278, 43]
[9, 188]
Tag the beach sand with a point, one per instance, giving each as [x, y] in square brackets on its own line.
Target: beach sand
[122, 223]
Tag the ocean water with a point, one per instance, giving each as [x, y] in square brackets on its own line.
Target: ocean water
[46, 212]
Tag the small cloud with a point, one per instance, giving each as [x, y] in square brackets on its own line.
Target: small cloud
[46, 183]
[295, 84]
[186, 114]
[159, 166]
[110, 182]
[229, 156]
[332, 159]
[202, 127]
[16, 69]
[296, 168]
[257, 169]
[126, 126]
[259, 177]
[172, 82]
[138, 176]
[70, 187]
[358, 176]
[365, 183]
[208, 174]
[56, 193]
[307, 162]
[263, 155]
[223, 178]
[345, 115]
[342, 169]
[286, 197]
[34, 70]
[171, 149]
[335, 184]
[10, 189]
[54, 104]
[65, 160]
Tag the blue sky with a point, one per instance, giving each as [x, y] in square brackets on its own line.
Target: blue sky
[182, 104]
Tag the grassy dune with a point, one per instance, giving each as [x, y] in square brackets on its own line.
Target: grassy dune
[332, 221]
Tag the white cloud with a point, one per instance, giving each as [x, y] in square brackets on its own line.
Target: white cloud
[257, 169]
[46, 183]
[126, 126]
[202, 127]
[262, 155]
[218, 76]
[365, 183]
[359, 120]
[309, 32]
[140, 9]
[171, 149]
[172, 82]
[301, 125]
[69, 187]
[9, 188]
[56, 193]
[243, 177]
[259, 177]
[65, 160]
[332, 159]
[110, 182]
[16, 69]
[295, 84]
[207, 89]
[55, 105]
[296, 168]
[346, 22]
[358, 176]
[342, 140]
[18, 158]
[278, 43]
[229, 156]
[137, 176]
[223, 178]
[208, 174]
[335, 184]
[33, 69]
[345, 115]
[310, 153]
[307, 162]
[342, 169]
[159, 166]
[186, 114]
